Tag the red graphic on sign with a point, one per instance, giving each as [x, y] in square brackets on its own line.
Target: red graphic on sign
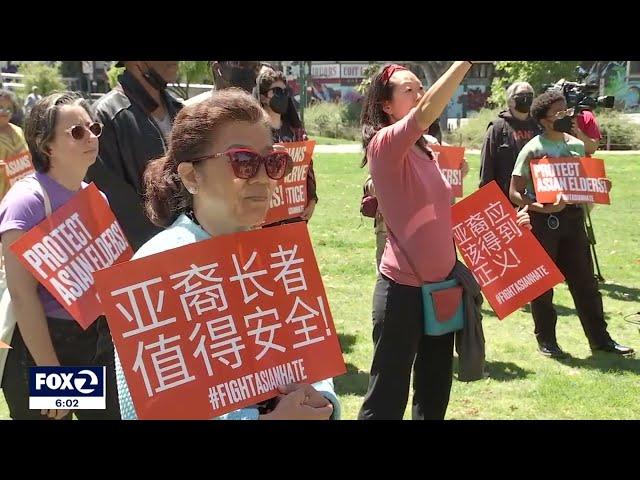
[290, 197]
[218, 325]
[64, 251]
[18, 166]
[579, 180]
[508, 262]
[450, 161]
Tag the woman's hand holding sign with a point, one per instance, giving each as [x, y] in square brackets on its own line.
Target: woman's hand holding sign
[300, 402]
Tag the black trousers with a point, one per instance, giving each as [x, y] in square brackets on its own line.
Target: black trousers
[74, 347]
[568, 247]
[399, 344]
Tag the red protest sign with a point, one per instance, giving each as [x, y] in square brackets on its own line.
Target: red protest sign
[18, 166]
[65, 250]
[508, 262]
[579, 180]
[450, 161]
[215, 326]
[290, 196]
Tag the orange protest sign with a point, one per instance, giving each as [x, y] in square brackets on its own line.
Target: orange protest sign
[64, 251]
[450, 161]
[290, 197]
[508, 262]
[18, 166]
[579, 180]
[218, 325]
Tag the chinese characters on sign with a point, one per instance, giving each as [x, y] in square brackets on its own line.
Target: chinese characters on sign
[218, 325]
[508, 262]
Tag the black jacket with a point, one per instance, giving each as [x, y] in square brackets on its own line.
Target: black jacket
[503, 141]
[130, 139]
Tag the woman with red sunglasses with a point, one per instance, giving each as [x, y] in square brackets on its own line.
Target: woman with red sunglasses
[217, 178]
[63, 141]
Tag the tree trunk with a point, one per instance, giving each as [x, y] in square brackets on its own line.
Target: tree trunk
[432, 71]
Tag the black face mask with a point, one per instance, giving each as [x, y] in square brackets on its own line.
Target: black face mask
[154, 79]
[563, 124]
[279, 103]
[243, 78]
[523, 103]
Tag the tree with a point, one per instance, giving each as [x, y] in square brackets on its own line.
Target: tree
[46, 77]
[368, 74]
[192, 72]
[536, 73]
[432, 72]
[112, 75]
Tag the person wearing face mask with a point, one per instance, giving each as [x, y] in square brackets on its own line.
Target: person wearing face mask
[585, 127]
[274, 96]
[137, 115]
[227, 74]
[506, 136]
[559, 227]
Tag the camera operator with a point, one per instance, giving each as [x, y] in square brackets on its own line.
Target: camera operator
[584, 125]
[560, 230]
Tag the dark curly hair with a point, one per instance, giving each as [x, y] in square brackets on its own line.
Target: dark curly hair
[542, 103]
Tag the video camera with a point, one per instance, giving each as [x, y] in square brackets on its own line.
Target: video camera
[581, 96]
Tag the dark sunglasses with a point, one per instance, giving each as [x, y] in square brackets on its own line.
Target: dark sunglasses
[246, 162]
[6, 111]
[279, 90]
[78, 131]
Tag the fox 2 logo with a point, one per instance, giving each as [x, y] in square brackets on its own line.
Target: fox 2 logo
[66, 381]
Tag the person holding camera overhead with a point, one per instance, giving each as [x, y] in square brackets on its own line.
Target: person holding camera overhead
[559, 227]
[584, 126]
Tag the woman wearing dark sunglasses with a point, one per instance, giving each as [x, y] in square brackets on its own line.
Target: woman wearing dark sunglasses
[217, 179]
[12, 142]
[286, 126]
[63, 141]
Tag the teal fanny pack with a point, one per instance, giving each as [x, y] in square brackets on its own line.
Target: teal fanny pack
[442, 302]
[442, 307]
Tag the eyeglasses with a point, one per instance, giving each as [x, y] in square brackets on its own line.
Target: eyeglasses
[523, 95]
[246, 162]
[564, 113]
[6, 111]
[78, 131]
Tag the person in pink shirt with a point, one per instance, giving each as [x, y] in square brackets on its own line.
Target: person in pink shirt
[415, 199]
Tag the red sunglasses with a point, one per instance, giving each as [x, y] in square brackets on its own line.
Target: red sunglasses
[78, 131]
[246, 162]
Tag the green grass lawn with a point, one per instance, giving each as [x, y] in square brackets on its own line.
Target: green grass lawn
[523, 384]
